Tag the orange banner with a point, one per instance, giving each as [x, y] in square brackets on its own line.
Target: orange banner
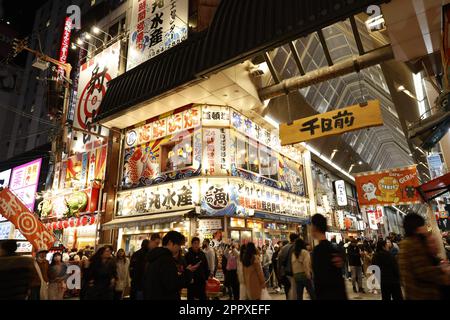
[25, 221]
[390, 187]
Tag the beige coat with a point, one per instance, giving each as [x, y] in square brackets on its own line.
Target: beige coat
[302, 264]
[254, 280]
[123, 275]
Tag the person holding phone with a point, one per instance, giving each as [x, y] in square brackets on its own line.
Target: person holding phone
[197, 258]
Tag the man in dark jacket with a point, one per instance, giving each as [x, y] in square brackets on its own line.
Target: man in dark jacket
[137, 266]
[197, 288]
[163, 281]
[285, 267]
[16, 273]
[354, 260]
[327, 264]
[390, 275]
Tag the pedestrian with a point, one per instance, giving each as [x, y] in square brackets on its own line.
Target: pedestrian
[210, 257]
[276, 276]
[253, 274]
[447, 247]
[240, 273]
[433, 247]
[123, 275]
[266, 262]
[57, 275]
[285, 267]
[420, 277]
[270, 250]
[354, 260]
[102, 275]
[367, 256]
[163, 281]
[301, 269]
[65, 256]
[232, 256]
[39, 290]
[390, 275]
[327, 263]
[138, 264]
[197, 288]
[16, 273]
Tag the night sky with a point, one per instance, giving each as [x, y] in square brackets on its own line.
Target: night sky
[20, 14]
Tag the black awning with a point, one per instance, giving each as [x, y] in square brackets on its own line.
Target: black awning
[435, 188]
[240, 30]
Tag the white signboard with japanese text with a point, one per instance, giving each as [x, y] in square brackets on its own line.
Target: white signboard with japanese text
[24, 182]
[156, 26]
[341, 193]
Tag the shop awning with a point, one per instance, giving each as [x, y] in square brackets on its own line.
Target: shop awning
[146, 220]
[435, 188]
[239, 31]
[280, 218]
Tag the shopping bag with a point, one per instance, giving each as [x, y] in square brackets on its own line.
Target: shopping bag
[213, 285]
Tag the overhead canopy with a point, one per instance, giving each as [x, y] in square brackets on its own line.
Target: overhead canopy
[240, 30]
[146, 220]
[435, 188]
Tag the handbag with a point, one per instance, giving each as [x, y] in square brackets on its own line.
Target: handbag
[43, 293]
[213, 285]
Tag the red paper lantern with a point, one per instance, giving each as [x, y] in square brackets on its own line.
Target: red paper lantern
[92, 220]
[84, 221]
[59, 225]
[54, 225]
[65, 224]
[72, 222]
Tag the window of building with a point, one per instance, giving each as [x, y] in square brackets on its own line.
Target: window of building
[177, 155]
[253, 159]
[264, 158]
[242, 152]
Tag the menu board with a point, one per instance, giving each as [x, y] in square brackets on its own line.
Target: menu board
[24, 182]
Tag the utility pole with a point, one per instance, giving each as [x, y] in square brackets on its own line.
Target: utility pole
[59, 142]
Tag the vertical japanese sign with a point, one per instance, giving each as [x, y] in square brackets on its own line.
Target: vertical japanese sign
[341, 193]
[436, 166]
[156, 26]
[25, 221]
[94, 77]
[216, 152]
[24, 182]
[332, 123]
[65, 42]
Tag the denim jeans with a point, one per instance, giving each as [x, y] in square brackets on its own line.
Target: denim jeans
[302, 284]
[357, 277]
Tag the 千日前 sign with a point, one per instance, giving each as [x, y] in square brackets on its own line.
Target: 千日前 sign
[389, 187]
[332, 123]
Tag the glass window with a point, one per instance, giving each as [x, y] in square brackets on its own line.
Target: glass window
[273, 172]
[242, 153]
[264, 157]
[253, 159]
[177, 155]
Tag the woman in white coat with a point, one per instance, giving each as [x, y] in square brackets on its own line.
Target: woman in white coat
[123, 275]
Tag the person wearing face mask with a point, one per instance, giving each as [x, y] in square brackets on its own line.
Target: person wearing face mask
[421, 277]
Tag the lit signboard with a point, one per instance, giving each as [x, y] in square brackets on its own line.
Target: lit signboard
[4, 178]
[24, 182]
[341, 194]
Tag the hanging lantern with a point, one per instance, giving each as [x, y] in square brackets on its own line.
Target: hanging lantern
[54, 226]
[72, 222]
[59, 225]
[65, 224]
[84, 221]
[92, 221]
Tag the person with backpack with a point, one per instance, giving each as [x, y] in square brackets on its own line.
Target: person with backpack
[285, 267]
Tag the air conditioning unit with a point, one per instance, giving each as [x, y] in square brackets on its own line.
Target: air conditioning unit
[40, 64]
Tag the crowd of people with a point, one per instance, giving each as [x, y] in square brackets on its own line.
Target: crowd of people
[410, 268]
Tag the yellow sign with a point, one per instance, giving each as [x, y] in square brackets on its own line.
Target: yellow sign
[332, 123]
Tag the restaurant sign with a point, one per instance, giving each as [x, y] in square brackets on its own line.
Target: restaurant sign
[389, 187]
[332, 123]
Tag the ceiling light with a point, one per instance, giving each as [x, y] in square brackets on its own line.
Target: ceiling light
[360, 162]
[79, 42]
[88, 36]
[95, 30]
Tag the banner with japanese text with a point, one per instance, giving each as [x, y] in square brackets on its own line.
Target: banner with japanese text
[156, 26]
[332, 123]
[25, 221]
[388, 187]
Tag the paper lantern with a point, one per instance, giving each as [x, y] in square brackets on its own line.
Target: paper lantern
[54, 226]
[65, 224]
[84, 221]
[92, 221]
[72, 222]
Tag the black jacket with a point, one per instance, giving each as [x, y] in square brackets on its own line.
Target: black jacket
[192, 258]
[388, 266]
[137, 268]
[162, 281]
[16, 275]
[328, 281]
[354, 256]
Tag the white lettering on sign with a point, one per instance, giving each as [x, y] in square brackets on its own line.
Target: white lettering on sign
[341, 194]
[374, 277]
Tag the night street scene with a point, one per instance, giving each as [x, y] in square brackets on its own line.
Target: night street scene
[235, 157]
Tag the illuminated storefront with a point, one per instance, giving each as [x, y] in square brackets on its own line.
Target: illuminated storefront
[199, 168]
